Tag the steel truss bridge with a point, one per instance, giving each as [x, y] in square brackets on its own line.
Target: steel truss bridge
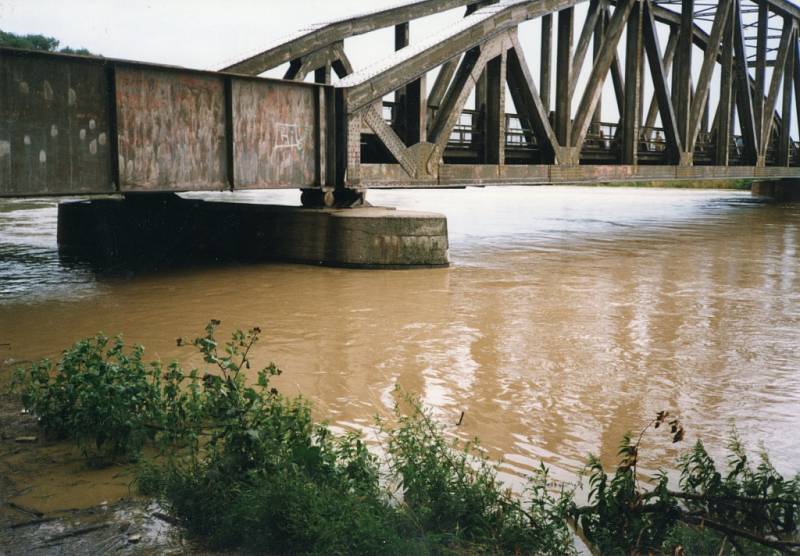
[724, 77]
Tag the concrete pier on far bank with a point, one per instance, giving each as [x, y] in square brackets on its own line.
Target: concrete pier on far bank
[781, 191]
[162, 230]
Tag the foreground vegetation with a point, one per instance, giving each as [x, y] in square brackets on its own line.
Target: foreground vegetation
[242, 466]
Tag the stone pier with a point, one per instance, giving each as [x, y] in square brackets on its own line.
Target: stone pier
[163, 230]
[781, 191]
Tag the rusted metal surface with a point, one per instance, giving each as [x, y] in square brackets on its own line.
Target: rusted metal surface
[457, 175]
[275, 128]
[171, 126]
[54, 136]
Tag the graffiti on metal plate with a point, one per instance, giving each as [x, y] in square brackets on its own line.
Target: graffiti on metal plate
[274, 143]
[52, 114]
[171, 129]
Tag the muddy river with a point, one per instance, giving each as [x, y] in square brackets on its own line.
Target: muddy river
[569, 316]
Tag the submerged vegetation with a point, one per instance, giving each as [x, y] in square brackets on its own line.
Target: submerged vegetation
[242, 466]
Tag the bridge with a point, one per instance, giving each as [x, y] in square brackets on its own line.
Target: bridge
[701, 90]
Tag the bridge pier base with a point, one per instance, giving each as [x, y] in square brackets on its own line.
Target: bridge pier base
[781, 191]
[339, 198]
[154, 231]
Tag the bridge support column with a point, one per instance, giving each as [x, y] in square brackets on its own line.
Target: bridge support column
[781, 191]
[632, 115]
[545, 75]
[495, 139]
[410, 101]
[563, 124]
[329, 198]
[153, 231]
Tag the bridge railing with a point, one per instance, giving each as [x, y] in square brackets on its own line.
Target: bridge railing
[602, 142]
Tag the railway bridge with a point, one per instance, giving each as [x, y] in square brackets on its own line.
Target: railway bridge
[699, 89]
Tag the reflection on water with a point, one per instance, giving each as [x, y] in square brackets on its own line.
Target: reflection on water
[569, 316]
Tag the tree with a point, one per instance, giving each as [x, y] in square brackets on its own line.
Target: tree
[38, 42]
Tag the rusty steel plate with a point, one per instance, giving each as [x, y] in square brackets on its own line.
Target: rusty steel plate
[54, 136]
[171, 129]
[274, 130]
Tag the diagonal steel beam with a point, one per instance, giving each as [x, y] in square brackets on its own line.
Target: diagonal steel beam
[796, 79]
[661, 95]
[464, 82]
[583, 41]
[374, 119]
[320, 36]
[328, 56]
[786, 110]
[527, 100]
[706, 71]
[789, 27]
[591, 95]
[669, 54]
[389, 75]
[442, 82]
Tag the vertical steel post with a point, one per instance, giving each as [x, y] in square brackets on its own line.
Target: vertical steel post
[566, 19]
[495, 110]
[631, 118]
[545, 71]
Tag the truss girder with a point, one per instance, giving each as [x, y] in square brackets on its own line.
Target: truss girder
[483, 53]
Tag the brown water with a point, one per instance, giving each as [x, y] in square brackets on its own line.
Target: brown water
[569, 316]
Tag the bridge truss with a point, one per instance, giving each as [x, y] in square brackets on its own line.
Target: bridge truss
[744, 51]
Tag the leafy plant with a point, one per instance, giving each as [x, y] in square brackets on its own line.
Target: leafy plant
[751, 511]
[451, 492]
[98, 394]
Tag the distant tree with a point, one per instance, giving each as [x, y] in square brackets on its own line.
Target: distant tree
[38, 42]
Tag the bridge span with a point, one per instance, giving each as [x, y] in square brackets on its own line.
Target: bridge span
[701, 90]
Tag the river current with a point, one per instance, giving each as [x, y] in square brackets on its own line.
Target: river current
[569, 316]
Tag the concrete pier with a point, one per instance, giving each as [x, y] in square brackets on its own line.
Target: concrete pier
[781, 191]
[163, 230]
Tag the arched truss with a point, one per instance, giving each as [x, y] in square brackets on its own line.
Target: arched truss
[749, 59]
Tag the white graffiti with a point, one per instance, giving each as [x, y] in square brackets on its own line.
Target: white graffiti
[289, 136]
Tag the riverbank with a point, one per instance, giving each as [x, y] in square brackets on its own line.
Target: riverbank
[51, 502]
[736, 185]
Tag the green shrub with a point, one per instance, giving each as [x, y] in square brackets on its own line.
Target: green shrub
[451, 493]
[98, 394]
[747, 511]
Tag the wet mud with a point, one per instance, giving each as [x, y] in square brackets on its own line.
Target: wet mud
[51, 502]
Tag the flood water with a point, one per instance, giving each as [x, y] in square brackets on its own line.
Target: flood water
[569, 316]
